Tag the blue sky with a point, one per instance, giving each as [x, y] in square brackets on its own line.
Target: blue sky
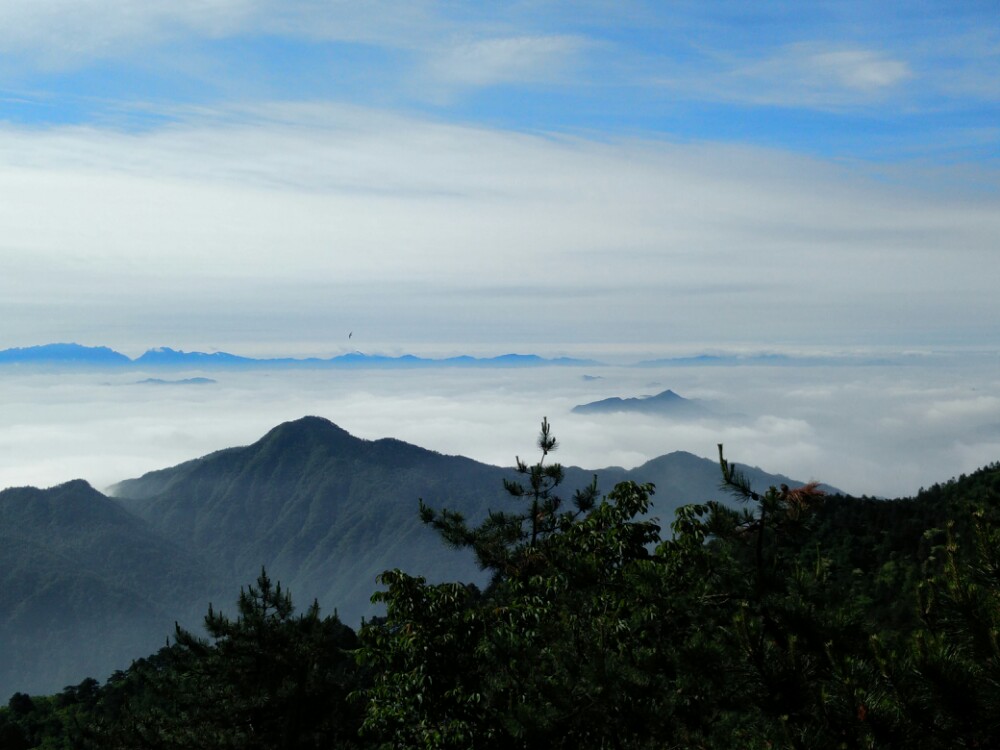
[264, 176]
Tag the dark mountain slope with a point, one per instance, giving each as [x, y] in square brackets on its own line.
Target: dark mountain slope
[326, 512]
[89, 583]
[83, 583]
[681, 477]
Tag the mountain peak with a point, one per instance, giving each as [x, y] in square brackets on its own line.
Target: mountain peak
[669, 395]
[666, 403]
[76, 486]
[308, 430]
[308, 425]
[66, 354]
[71, 491]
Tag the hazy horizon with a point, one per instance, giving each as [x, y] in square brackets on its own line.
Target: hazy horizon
[878, 429]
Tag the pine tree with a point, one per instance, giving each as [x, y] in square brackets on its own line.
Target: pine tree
[267, 679]
[553, 654]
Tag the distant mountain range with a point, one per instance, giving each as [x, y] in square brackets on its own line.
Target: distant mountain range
[765, 359]
[88, 582]
[77, 355]
[665, 404]
[181, 381]
[71, 354]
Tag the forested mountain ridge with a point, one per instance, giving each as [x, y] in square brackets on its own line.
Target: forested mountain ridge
[324, 511]
[756, 626]
[82, 582]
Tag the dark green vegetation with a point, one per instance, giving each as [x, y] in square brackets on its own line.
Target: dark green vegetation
[82, 581]
[88, 583]
[267, 679]
[792, 619]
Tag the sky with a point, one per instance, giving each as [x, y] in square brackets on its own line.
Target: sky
[619, 181]
[593, 178]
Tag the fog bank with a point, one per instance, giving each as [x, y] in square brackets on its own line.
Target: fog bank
[874, 429]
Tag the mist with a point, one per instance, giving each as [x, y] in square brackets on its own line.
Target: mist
[879, 429]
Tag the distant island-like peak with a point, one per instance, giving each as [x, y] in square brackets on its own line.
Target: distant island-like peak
[665, 404]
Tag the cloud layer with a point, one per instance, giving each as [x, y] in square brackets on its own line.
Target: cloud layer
[883, 430]
[254, 212]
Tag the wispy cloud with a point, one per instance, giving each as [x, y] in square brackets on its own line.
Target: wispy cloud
[518, 59]
[802, 75]
[693, 70]
[861, 70]
[72, 32]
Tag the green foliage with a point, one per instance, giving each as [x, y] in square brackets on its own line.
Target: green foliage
[552, 655]
[740, 630]
[54, 722]
[527, 662]
[951, 688]
[267, 679]
[507, 543]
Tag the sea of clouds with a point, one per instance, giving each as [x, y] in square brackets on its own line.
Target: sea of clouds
[879, 429]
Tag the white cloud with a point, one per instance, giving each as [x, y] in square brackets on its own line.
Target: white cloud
[805, 74]
[859, 69]
[980, 408]
[71, 33]
[67, 34]
[62, 32]
[651, 241]
[859, 435]
[518, 59]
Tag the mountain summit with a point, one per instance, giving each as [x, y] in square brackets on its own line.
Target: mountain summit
[664, 404]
